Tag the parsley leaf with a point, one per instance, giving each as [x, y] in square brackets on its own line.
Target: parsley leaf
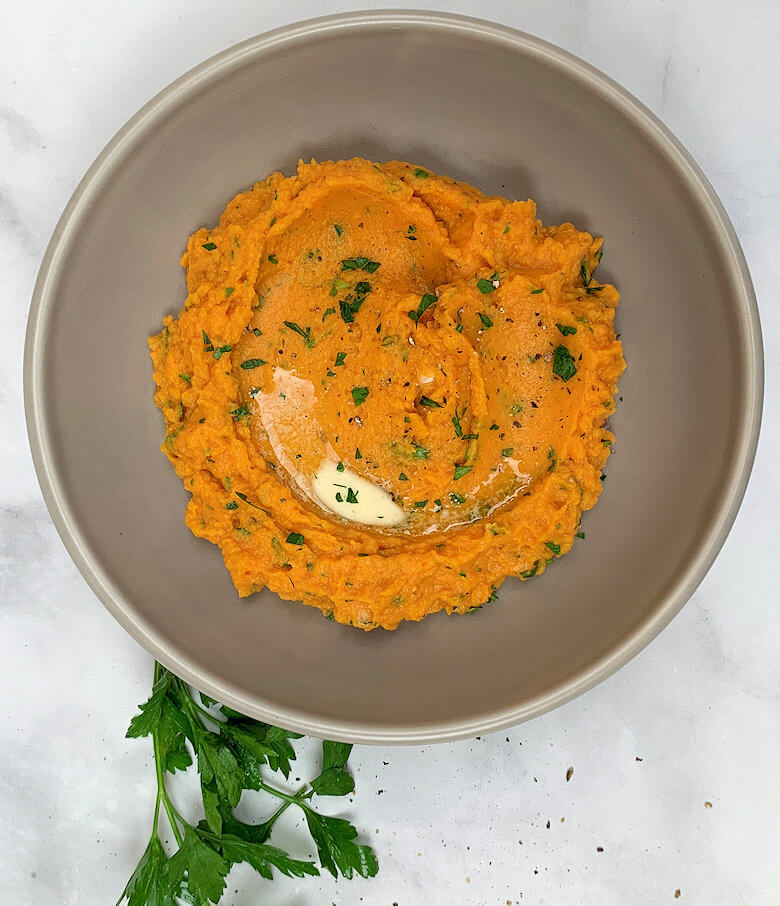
[305, 333]
[252, 363]
[337, 850]
[295, 538]
[429, 403]
[359, 395]
[460, 471]
[209, 246]
[566, 330]
[485, 319]
[555, 548]
[426, 302]
[420, 173]
[360, 264]
[563, 364]
[234, 754]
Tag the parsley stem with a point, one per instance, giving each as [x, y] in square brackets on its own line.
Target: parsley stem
[162, 793]
[294, 799]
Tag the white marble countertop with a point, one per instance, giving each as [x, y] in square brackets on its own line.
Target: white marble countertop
[692, 720]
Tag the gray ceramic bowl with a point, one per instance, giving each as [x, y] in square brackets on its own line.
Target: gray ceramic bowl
[512, 115]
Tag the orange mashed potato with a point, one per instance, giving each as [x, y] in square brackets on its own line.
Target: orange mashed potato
[386, 392]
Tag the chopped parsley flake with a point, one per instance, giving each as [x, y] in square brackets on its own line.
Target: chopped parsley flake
[340, 358]
[241, 412]
[229, 290]
[209, 246]
[338, 228]
[359, 264]
[507, 451]
[186, 377]
[302, 332]
[485, 319]
[359, 395]
[566, 330]
[352, 496]
[221, 350]
[460, 471]
[252, 363]
[403, 477]
[273, 259]
[426, 302]
[420, 173]
[563, 364]
[455, 498]
[555, 548]
[295, 538]
[431, 404]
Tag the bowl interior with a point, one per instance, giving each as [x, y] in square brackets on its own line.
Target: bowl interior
[508, 116]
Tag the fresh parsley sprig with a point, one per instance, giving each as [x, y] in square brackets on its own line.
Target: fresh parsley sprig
[233, 753]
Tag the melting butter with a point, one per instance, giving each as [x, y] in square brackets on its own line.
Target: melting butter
[289, 416]
[352, 497]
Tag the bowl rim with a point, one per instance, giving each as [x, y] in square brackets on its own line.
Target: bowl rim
[689, 575]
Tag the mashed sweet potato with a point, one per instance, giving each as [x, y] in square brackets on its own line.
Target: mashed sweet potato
[386, 391]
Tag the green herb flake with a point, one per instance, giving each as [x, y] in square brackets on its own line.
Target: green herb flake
[485, 319]
[186, 377]
[352, 496]
[429, 403]
[455, 498]
[507, 451]
[403, 477]
[530, 573]
[340, 358]
[241, 412]
[493, 427]
[419, 504]
[249, 364]
[460, 471]
[485, 286]
[563, 364]
[420, 173]
[358, 454]
[420, 452]
[305, 333]
[360, 264]
[207, 344]
[359, 395]
[581, 535]
[231, 506]
[209, 246]
[273, 259]
[328, 311]
[459, 328]
[585, 272]
[221, 350]
[535, 292]
[339, 229]
[295, 538]
[340, 467]
[555, 548]
[338, 285]
[339, 498]
[506, 229]
[426, 302]
[566, 330]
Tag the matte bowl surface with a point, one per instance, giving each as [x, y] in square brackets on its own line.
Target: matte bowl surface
[505, 112]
